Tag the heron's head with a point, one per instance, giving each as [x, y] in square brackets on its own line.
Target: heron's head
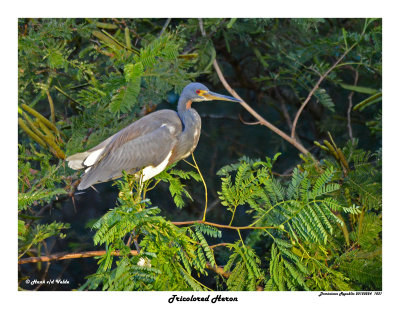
[197, 92]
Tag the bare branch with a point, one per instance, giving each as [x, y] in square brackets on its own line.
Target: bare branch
[350, 97]
[164, 27]
[53, 117]
[262, 121]
[248, 123]
[68, 256]
[312, 92]
[226, 226]
[283, 107]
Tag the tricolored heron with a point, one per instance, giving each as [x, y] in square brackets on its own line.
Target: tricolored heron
[149, 144]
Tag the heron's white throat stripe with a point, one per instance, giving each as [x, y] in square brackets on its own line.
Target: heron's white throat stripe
[92, 158]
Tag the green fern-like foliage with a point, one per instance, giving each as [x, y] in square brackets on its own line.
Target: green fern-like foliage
[177, 189]
[37, 196]
[149, 65]
[303, 223]
[126, 96]
[247, 187]
[326, 234]
[286, 269]
[246, 273]
[304, 206]
[169, 256]
[38, 186]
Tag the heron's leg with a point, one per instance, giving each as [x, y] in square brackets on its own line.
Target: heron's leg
[137, 184]
[205, 186]
[140, 187]
[152, 187]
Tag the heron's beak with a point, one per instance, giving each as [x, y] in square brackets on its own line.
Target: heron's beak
[216, 96]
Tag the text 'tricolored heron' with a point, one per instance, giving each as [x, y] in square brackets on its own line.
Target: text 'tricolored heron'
[149, 144]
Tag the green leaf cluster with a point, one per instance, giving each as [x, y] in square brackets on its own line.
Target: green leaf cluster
[325, 222]
[169, 257]
[38, 187]
[177, 189]
[245, 265]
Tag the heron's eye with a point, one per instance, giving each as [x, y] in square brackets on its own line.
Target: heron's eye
[197, 91]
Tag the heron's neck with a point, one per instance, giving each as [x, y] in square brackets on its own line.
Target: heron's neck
[191, 127]
[187, 114]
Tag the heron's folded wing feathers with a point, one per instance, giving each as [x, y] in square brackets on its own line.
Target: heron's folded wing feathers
[131, 155]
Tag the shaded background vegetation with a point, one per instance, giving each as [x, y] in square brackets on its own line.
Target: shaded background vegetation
[82, 76]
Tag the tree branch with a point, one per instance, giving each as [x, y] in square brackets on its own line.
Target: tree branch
[164, 27]
[283, 107]
[68, 256]
[261, 120]
[52, 113]
[248, 123]
[350, 97]
[226, 226]
[323, 76]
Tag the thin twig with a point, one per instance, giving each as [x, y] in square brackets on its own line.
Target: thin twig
[132, 49]
[225, 226]
[350, 97]
[248, 123]
[240, 236]
[233, 215]
[135, 241]
[367, 22]
[46, 270]
[219, 270]
[203, 32]
[205, 187]
[262, 121]
[67, 256]
[165, 27]
[95, 189]
[311, 93]
[189, 163]
[152, 187]
[222, 244]
[283, 107]
[66, 95]
[211, 206]
[53, 116]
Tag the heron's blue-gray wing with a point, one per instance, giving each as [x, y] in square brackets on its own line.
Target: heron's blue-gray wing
[148, 142]
[144, 125]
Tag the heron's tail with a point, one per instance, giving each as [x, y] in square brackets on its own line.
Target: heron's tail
[76, 161]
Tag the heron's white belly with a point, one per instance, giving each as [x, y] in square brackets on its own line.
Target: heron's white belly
[151, 171]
